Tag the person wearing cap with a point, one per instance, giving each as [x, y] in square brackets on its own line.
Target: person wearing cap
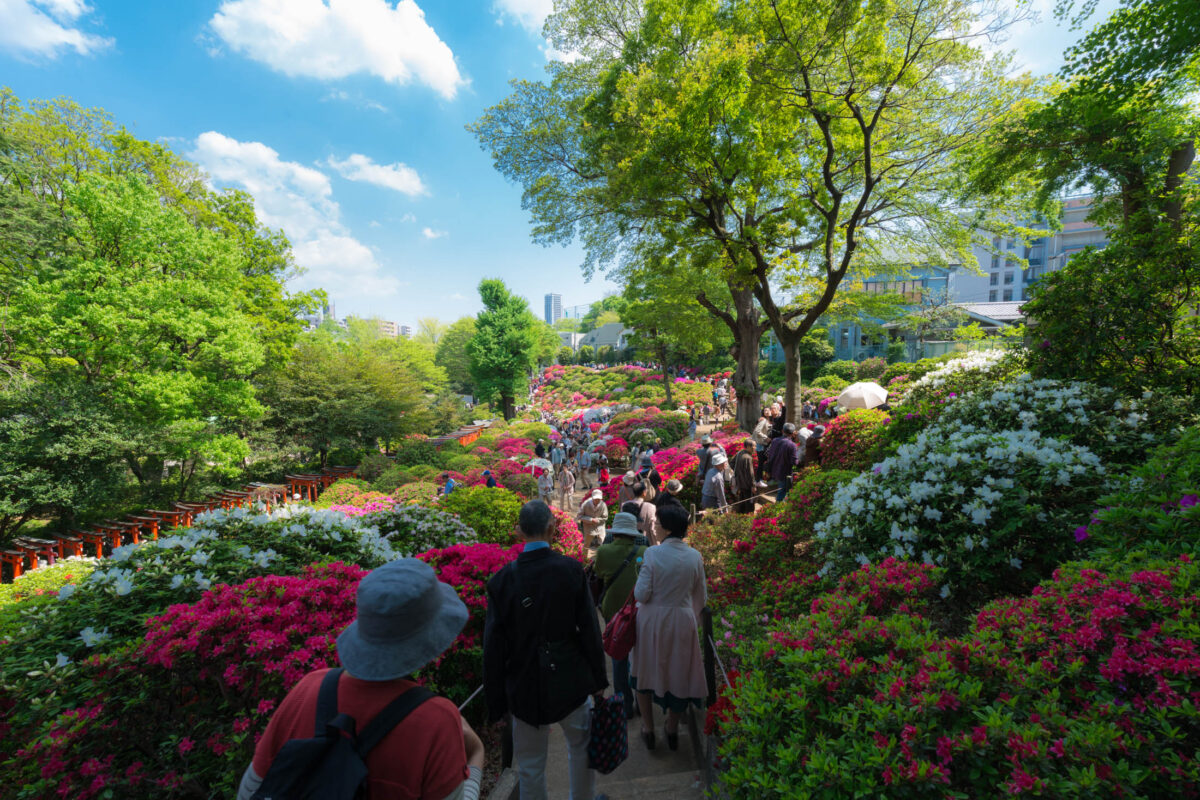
[669, 496]
[592, 516]
[625, 493]
[491, 479]
[539, 600]
[762, 439]
[647, 513]
[405, 619]
[448, 484]
[705, 454]
[782, 457]
[649, 476]
[566, 488]
[713, 495]
[545, 484]
[743, 478]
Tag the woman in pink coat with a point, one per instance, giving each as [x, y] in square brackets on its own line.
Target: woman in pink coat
[666, 666]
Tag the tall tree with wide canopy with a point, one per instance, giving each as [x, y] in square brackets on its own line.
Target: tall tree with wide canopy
[803, 142]
[505, 346]
[452, 354]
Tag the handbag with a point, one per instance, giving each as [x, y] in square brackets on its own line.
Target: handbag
[620, 634]
[597, 585]
[608, 746]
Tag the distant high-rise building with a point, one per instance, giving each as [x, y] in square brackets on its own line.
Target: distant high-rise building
[553, 308]
[389, 329]
[406, 331]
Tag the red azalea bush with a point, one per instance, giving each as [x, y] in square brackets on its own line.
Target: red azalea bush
[617, 450]
[853, 441]
[179, 714]
[1086, 688]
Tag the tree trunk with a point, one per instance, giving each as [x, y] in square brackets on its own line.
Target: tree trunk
[745, 376]
[508, 406]
[666, 381]
[791, 371]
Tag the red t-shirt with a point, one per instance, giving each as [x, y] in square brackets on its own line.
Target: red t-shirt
[422, 758]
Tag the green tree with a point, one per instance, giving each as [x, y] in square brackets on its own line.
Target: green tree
[429, 331]
[144, 308]
[452, 355]
[567, 324]
[565, 355]
[602, 312]
[587, 354]
[787, 142]
[60, 452]
[548, 343]
[344, 393]
[504, 347]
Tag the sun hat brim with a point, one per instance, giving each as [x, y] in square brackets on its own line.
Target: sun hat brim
[385, 661]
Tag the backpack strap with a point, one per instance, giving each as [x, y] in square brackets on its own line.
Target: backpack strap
[391, 716]
[608, 585]
[327, 699]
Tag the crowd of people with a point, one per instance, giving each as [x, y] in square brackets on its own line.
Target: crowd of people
[542, 610]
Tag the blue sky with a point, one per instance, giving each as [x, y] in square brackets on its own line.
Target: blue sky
[345, 119]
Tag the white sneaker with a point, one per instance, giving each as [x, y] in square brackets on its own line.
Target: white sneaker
[761, 484]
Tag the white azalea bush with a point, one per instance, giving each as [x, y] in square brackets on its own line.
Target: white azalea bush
[410, 530]
[996, 510]
[1116, 428]
[107, 608]
[959, 376]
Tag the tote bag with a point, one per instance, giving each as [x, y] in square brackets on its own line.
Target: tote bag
[620, 634]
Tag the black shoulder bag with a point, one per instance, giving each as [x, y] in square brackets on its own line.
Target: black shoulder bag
[564, 676]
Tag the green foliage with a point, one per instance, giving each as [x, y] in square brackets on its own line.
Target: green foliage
[603, 311]
[372, 466]
[504, 347]
[41, 582]
[895, 352]
[871, 369]
[587, 354]
[565, 355]
[1155, 510]
[59, 451]
[452, 354]
[846, 370]
[834, 383]
[342, 492]
[491, 513]
[1093, 322]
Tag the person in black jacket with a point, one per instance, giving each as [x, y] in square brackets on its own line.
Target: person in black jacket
[539, 611]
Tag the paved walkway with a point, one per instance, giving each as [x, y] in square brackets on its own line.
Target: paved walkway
[660, 774]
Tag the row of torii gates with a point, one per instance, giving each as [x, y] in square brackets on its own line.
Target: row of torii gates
[28, 552]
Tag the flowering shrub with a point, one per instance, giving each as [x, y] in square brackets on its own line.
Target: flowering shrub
[994, 509]
[809, 501]
[846, 370]
[491, 513]
[566, 388]
[568, 539]
[46, 581]
[853, 441]
[617, 450]
[1080, 690]
[179, 714]
[342, 492]
[105, 612]
[645, 425]
[830, 383]
[976, 370]
[414, 529]
[871, 369]
[413, 493]
[1154, 510]
[352, 498]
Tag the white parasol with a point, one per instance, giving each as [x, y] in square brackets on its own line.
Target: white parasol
[864, 394]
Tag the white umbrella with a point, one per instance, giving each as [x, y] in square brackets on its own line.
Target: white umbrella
[863, 394]
[540, 463]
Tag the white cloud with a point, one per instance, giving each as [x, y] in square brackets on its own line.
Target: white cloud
[374, 223]
[46, 27]
[399, 177]
[358, 100]
[456, 296]
[409, 218]
[339, 38]
[430, 233]
[298, 200]
[530, 13]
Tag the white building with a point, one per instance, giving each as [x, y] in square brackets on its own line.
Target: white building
[554, 310]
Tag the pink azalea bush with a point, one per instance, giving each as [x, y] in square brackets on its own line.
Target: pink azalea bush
[1086, 688]
[854, 440]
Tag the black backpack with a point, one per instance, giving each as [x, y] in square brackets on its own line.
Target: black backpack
[332, 765]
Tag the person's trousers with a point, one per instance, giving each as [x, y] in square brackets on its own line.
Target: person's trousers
[530, 743]
[745, 502]
[760, 463]
[785, 486]
[621, 684]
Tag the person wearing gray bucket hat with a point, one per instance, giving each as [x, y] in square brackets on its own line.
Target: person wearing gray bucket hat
[406, 619]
